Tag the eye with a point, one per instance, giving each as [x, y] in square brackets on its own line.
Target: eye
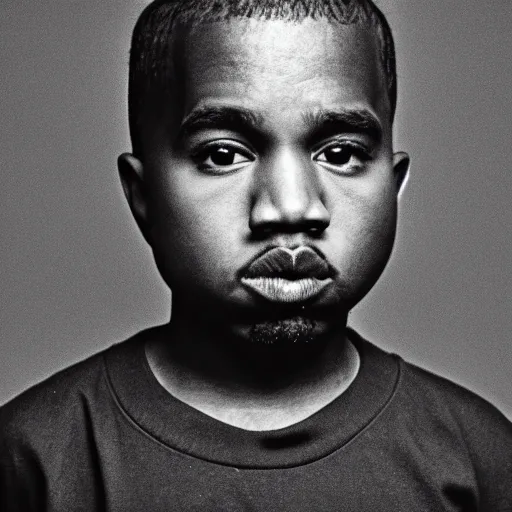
[344, 157]
[222, 158]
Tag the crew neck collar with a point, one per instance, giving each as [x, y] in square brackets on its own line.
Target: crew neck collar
[181, 427]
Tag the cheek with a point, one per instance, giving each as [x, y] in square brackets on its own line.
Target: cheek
[365, 223]
[197, 225]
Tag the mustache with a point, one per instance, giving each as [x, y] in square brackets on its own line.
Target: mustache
[298, 263]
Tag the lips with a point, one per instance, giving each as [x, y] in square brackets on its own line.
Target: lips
[288, 275]
[287, 263]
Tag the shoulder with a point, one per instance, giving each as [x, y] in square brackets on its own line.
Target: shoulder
[449, 433]
[51, 401]
[442, 396]
[421, 395]
[419, 389]
[49, 428]
[438, 407]
[458, 417]
[59, 403]
[462, 418]
[42, 429]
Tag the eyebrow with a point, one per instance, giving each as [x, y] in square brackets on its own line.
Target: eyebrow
[221, 118]
[344, 121]
[319, 122]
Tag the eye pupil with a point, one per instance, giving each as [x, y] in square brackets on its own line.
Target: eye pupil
[222, 156]
[337, 155]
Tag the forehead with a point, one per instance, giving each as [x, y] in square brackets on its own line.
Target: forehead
[282, 66]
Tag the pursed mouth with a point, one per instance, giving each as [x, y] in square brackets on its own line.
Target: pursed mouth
[279, 289]
[287, 275]
[290, 264]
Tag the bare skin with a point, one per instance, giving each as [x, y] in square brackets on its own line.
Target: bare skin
[246, 399]
[211, 198]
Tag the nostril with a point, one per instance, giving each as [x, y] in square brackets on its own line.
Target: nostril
[316, 226]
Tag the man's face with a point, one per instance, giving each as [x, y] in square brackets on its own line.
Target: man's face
[281, 138]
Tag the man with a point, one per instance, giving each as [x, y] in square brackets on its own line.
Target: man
[264, 179]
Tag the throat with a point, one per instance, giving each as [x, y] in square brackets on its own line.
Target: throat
[235, 399]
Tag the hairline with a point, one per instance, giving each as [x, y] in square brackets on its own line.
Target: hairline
[158, 82]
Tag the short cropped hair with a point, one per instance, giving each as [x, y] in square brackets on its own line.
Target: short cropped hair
[150, 55]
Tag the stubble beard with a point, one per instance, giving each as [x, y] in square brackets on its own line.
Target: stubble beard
[290, 332]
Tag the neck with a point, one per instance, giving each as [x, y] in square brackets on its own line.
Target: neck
[256, 388]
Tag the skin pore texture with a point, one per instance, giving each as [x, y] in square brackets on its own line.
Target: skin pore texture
[282, 139]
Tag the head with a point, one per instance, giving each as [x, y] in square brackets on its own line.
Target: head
[263, 174]
[152, 72]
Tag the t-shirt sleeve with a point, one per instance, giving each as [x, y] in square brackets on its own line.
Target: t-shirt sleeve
[474, 428]
[22, 482]
[48, 458]
[489, 436]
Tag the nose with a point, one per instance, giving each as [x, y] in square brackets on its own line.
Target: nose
[288, 196]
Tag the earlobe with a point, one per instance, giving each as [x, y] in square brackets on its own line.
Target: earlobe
[401, 166]
[131, 172]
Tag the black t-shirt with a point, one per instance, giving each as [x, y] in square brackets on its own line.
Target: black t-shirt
[104, 435]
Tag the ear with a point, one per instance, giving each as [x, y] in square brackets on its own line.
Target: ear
[401, 165]
[131, 172]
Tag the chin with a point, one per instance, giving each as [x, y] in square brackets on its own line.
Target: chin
[297, 331]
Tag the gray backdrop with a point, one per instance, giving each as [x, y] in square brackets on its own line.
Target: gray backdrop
[75, 276]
